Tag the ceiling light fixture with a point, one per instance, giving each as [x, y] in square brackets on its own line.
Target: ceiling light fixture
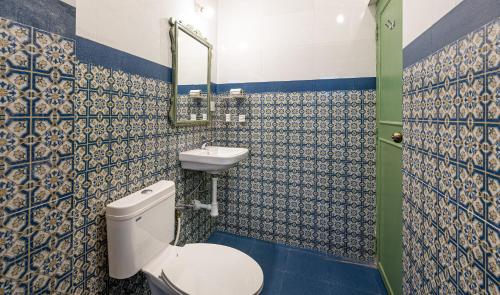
[204, 9]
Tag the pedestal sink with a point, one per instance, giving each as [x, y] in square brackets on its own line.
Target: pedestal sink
[213, 160]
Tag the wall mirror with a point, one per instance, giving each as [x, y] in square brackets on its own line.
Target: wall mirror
[191, 66]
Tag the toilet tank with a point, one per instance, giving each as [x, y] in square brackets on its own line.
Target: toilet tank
[139, 227]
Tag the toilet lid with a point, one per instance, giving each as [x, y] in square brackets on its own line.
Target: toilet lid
[198, 269]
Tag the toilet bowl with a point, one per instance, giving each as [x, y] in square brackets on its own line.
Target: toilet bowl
[203, 269]
[140, 228]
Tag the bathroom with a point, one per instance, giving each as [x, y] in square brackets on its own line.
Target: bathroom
[249, 147]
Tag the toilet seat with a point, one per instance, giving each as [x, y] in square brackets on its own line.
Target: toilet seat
[199, 269]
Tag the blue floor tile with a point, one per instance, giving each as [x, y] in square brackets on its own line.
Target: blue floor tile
[243, 244]
[272, 282]
[270, 256]
[380, 282]
[309, 265]
[216, 238]
[288, 270]
[355, 276]
[344, 290]
[294, 284]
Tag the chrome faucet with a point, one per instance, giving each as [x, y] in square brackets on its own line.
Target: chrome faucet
[204, 144]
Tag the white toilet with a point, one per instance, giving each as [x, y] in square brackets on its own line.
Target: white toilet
[141, 226]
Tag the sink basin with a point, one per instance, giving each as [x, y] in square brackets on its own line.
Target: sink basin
[213, 159]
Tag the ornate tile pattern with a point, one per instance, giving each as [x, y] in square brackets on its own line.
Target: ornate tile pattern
[74, 137]
[124, 142]
[451, 110]
[37, 76]
[187, 105]
[310, 178]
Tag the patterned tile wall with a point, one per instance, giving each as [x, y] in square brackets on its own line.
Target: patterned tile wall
[124, 142]
[37, 76]
[310, 178]
[451, 112]
[186, 106]
[69, 148]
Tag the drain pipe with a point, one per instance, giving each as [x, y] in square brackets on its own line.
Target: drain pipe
[214, 206]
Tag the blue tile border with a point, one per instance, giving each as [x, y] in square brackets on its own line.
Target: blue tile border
[362, 83]
[50, 15]
[464, 18]
[92, 52]
[184, 89]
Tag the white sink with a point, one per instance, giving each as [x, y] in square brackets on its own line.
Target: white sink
[213, 159]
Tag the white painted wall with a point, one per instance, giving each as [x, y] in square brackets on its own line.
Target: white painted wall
[258, 40]
[277, 40]
[140, 27]
[420, 15]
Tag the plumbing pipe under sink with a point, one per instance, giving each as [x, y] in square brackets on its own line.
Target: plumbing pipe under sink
[213, 207]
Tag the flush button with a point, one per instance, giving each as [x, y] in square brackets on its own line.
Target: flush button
[146, 191]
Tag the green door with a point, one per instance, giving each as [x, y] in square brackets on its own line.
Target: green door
[389, 177]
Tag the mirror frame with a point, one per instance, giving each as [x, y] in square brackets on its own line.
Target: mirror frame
[175, 26]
